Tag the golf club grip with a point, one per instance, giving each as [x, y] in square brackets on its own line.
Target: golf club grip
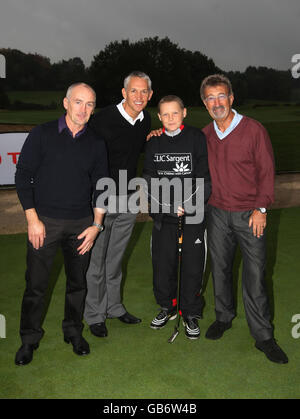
[180, 231]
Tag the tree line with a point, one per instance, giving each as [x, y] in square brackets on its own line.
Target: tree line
[173, 70]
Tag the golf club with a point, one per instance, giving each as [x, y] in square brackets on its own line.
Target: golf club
[180, 240]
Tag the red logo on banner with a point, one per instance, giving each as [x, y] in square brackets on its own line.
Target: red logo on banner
[14, 157]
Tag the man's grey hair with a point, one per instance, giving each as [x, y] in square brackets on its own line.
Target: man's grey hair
[139, 74]
[215, 80]
[70, 88]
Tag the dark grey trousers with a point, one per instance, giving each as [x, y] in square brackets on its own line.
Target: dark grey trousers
[104, 275]
[225, 231]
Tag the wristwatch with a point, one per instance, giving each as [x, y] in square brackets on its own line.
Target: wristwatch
[99, 226]
[262, 210]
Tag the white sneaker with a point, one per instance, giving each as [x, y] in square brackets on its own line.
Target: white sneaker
[192, 330]
[162, 319]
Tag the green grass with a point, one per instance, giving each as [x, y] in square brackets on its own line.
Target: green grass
[285, 139]
[136, 361]
[33, 117]
[28, 117]
[38, 97]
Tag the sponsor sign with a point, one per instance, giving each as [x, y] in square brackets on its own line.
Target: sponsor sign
[10, 147]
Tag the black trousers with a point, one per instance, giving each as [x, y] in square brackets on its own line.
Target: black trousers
[225, 231]
[39, 262]
[165, 267]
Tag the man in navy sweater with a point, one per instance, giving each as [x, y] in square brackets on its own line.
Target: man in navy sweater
[59, 166]
[124, 128]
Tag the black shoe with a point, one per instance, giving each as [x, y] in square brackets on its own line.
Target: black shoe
[129, 319]
[192, 330]
[99, 329]
[25, 354]
[80, 345]
[216, 330]
[272, 351]
[162, 319]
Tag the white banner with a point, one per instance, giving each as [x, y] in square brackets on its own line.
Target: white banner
[10, 147]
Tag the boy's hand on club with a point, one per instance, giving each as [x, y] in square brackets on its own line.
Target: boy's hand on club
[180, 211]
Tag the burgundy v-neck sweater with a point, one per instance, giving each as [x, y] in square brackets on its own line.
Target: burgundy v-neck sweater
[241, 167]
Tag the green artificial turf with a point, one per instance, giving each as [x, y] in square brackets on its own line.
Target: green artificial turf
[137, 362]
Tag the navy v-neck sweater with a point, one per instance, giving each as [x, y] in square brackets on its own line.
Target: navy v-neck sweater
[57, 174]
[124, 141]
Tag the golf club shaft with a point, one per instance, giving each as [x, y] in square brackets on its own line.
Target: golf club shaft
[180, 240]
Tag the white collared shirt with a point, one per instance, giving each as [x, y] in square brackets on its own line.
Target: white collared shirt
[235, 121]
[128, 117]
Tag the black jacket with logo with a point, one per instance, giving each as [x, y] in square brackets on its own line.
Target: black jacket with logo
[181, 156]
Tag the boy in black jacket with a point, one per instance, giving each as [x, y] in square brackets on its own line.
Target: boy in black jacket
[180, 152]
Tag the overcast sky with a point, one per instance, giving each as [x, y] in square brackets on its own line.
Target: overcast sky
[234, 33]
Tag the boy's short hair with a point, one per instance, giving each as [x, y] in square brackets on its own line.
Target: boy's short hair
[170, 98]
[215, 80]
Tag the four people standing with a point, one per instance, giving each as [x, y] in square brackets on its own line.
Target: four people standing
[54, 181]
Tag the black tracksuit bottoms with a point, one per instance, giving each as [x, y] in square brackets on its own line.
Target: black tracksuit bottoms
[165, 267]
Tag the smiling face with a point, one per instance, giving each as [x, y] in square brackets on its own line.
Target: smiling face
[218, 102]
[79, 105]
[171, 115]
[136, 95]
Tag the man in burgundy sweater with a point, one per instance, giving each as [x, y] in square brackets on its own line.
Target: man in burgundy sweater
[241, 165]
